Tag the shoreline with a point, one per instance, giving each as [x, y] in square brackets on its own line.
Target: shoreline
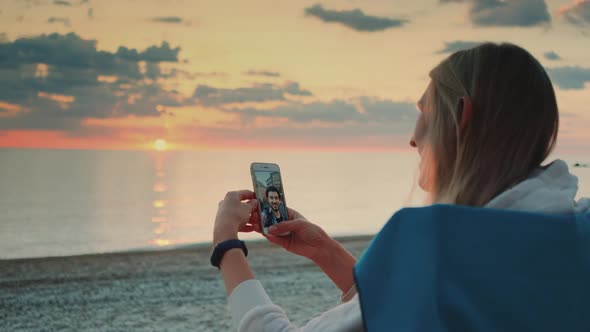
[172, 290]
[197, 246]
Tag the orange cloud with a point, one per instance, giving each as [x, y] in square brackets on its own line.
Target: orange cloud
[63, 101]
[565, 8]
[8, 109]
[576, 13]
[60, 140]
[107, 79]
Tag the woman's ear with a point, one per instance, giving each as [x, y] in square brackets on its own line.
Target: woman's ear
[465, 110]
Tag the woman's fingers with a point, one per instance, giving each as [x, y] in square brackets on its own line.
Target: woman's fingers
[247, 229]
[251, 228]
[294, 214]
[252, 205]
[240, 195]
[254, 218]
[281, 241]
[256, 227]
[288, 226]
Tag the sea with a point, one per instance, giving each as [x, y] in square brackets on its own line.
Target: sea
[71, 202]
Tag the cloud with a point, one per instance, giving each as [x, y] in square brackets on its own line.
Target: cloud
[507, 13]
[168, 19]
[551, 55]
[354, 19]
[62, 3]
[64, 20]
[71, 51]
[262, 73]
[362, 122]
[457, 45]
[209, 74]
[577, 13]
[388, 111]
[162, 53]
[211, 96]
[294, 89]
[336, 111]
[346, 137]
[360, 111]
[67, 106]
[569, 78]
[53, 49]
[60, 80]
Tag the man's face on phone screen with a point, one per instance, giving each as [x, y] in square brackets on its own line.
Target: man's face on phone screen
[273, 200]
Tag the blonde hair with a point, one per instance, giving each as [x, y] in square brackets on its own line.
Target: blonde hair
[512, 128]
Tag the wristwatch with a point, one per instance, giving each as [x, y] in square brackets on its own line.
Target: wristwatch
[222, 247]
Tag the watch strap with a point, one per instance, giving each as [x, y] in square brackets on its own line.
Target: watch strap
[222, 247]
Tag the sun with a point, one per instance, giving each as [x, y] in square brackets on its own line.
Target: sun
[160, 144]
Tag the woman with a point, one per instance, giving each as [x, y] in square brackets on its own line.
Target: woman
[488, 119]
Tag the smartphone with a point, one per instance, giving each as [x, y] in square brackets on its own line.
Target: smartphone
[270, 192]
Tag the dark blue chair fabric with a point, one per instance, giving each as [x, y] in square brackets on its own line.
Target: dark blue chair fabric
[456, 268]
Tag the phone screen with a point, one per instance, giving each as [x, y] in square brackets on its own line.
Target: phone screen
[268, 186]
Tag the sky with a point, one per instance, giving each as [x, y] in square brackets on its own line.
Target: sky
[333, 75]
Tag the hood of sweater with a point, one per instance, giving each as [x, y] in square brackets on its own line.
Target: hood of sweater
[549, 189]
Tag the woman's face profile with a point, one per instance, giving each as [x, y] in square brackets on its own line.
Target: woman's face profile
[418, 139]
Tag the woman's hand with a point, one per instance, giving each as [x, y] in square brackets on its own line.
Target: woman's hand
[309, 240]
[305, 238]
[233, 214]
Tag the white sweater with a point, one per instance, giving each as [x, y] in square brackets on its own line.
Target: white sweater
[551, 189]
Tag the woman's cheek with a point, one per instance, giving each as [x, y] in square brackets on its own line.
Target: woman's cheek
[426, 177]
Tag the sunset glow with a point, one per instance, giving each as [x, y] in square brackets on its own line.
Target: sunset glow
[160, 145]
[320, 79]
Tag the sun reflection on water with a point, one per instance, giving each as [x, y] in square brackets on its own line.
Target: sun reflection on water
[160, 202]
[161, 242]
[159, 219]
[160, 187]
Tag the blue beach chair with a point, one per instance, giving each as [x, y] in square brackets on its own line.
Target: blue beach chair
[455, 268]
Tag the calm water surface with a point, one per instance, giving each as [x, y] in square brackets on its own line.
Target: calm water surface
[64, 202]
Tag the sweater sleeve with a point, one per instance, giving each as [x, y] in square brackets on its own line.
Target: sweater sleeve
[252, 310]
